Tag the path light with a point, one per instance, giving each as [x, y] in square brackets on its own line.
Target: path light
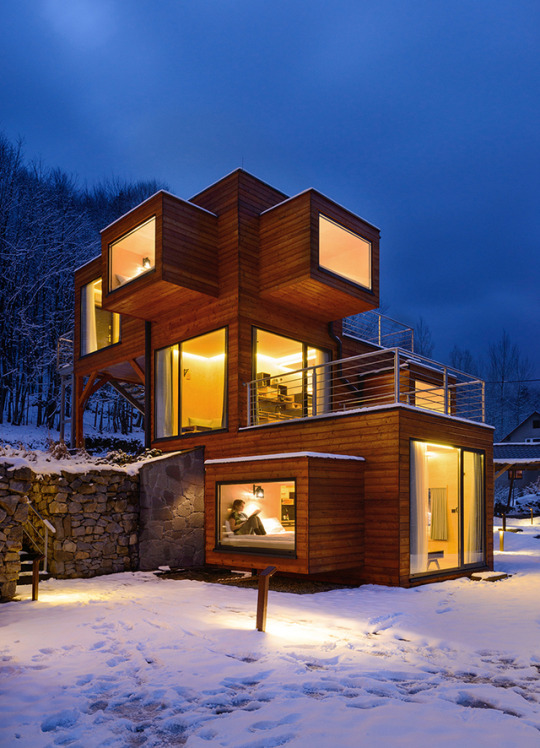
[262, 598]
[501, 539]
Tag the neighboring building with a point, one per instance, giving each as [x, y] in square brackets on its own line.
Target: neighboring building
[518, 454]
[368, 463]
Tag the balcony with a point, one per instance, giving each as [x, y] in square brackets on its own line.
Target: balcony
[375, 328]
[373, 380]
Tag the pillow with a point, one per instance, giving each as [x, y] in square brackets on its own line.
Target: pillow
[228, 530]
[272, 525]
[121, 279]
[205, 423]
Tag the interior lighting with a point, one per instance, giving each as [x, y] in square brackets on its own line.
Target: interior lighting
[146, 263]
[258, 492]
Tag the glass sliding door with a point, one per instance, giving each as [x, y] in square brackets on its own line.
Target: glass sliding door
[473, 503]
[446, 507]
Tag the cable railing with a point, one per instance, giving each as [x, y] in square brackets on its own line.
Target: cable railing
[371, 380]
[380, 330]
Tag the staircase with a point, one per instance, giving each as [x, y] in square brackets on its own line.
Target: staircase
[133, 393]
[36, 531]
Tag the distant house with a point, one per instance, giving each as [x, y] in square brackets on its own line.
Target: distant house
[222, 318]
[518, 454]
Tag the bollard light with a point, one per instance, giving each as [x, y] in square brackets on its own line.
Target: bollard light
[262, 598]
[501, 539]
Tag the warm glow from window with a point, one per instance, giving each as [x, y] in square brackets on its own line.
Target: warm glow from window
[344, 253]
[275, 511]
[133, 254]
[429, 397]
[99, 328]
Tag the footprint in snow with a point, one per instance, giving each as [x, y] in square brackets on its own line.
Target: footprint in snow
[268, 724]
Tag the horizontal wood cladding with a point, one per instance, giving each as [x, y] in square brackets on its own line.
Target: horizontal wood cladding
[190, 246]
[289, 259]
[325, 542]
[186, 259]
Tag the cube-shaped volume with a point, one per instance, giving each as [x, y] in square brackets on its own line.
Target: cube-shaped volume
[319, 258]
[133, 254]
[161, 253]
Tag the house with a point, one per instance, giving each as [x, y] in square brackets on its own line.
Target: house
[237, 313]
[517, 456]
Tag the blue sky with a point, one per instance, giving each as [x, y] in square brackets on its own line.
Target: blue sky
[419, 115]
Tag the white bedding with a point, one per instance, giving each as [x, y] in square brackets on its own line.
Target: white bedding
[277, 541]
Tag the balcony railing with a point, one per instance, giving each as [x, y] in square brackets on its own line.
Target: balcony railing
[368, 381]
[380, 330]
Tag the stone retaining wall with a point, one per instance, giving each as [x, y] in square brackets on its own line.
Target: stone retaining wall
[96, 516]
[14, 485]
[103, 515]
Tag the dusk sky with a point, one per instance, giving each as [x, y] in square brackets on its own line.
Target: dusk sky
[421, 116]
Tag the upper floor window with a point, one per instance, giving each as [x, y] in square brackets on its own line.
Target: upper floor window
[99, 328]
[190, 386]
[132, 255]
[344, 253]
[292, 381]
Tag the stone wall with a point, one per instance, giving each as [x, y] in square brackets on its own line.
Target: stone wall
[103, 516]
[95, 515]
[14, 485]
[172, 511]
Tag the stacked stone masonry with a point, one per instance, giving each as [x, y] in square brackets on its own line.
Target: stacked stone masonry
[96, 517]
[104, 517]
[14, 486]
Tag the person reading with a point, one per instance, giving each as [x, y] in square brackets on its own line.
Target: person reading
[241, 524]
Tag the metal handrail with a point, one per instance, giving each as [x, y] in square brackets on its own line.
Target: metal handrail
[42, 543]
[378, 329]
[64, 351]
[391, 375]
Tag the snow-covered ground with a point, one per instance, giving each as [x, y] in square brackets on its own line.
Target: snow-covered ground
[132, 659]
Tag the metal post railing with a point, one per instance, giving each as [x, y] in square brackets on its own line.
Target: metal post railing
[446, 400]
[396, 375]
[314, 392]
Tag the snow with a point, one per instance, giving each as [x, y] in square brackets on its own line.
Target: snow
[284, 456]
[134, 659]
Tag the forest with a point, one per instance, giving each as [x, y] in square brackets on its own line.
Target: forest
[49, 226]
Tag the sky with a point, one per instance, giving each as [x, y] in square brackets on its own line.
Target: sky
[421, 116]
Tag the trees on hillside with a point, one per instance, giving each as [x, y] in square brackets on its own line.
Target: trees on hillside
[48, 228]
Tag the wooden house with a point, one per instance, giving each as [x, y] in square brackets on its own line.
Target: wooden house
[366, 462]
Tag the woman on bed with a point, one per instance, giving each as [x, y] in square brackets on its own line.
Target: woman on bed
[241, 524]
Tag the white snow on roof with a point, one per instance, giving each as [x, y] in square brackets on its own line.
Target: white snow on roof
[284, 456]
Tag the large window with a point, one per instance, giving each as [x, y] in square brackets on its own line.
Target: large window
[283, 391]
[190, 386]
[344, 253]
[99, 328]
[132, 255]
[447, 507]
[259, 516]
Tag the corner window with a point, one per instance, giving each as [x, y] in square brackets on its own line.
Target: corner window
[99, 328]
[447, 507]
[344, 253]
[259, 516]
[190, 386]
[132, 255]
